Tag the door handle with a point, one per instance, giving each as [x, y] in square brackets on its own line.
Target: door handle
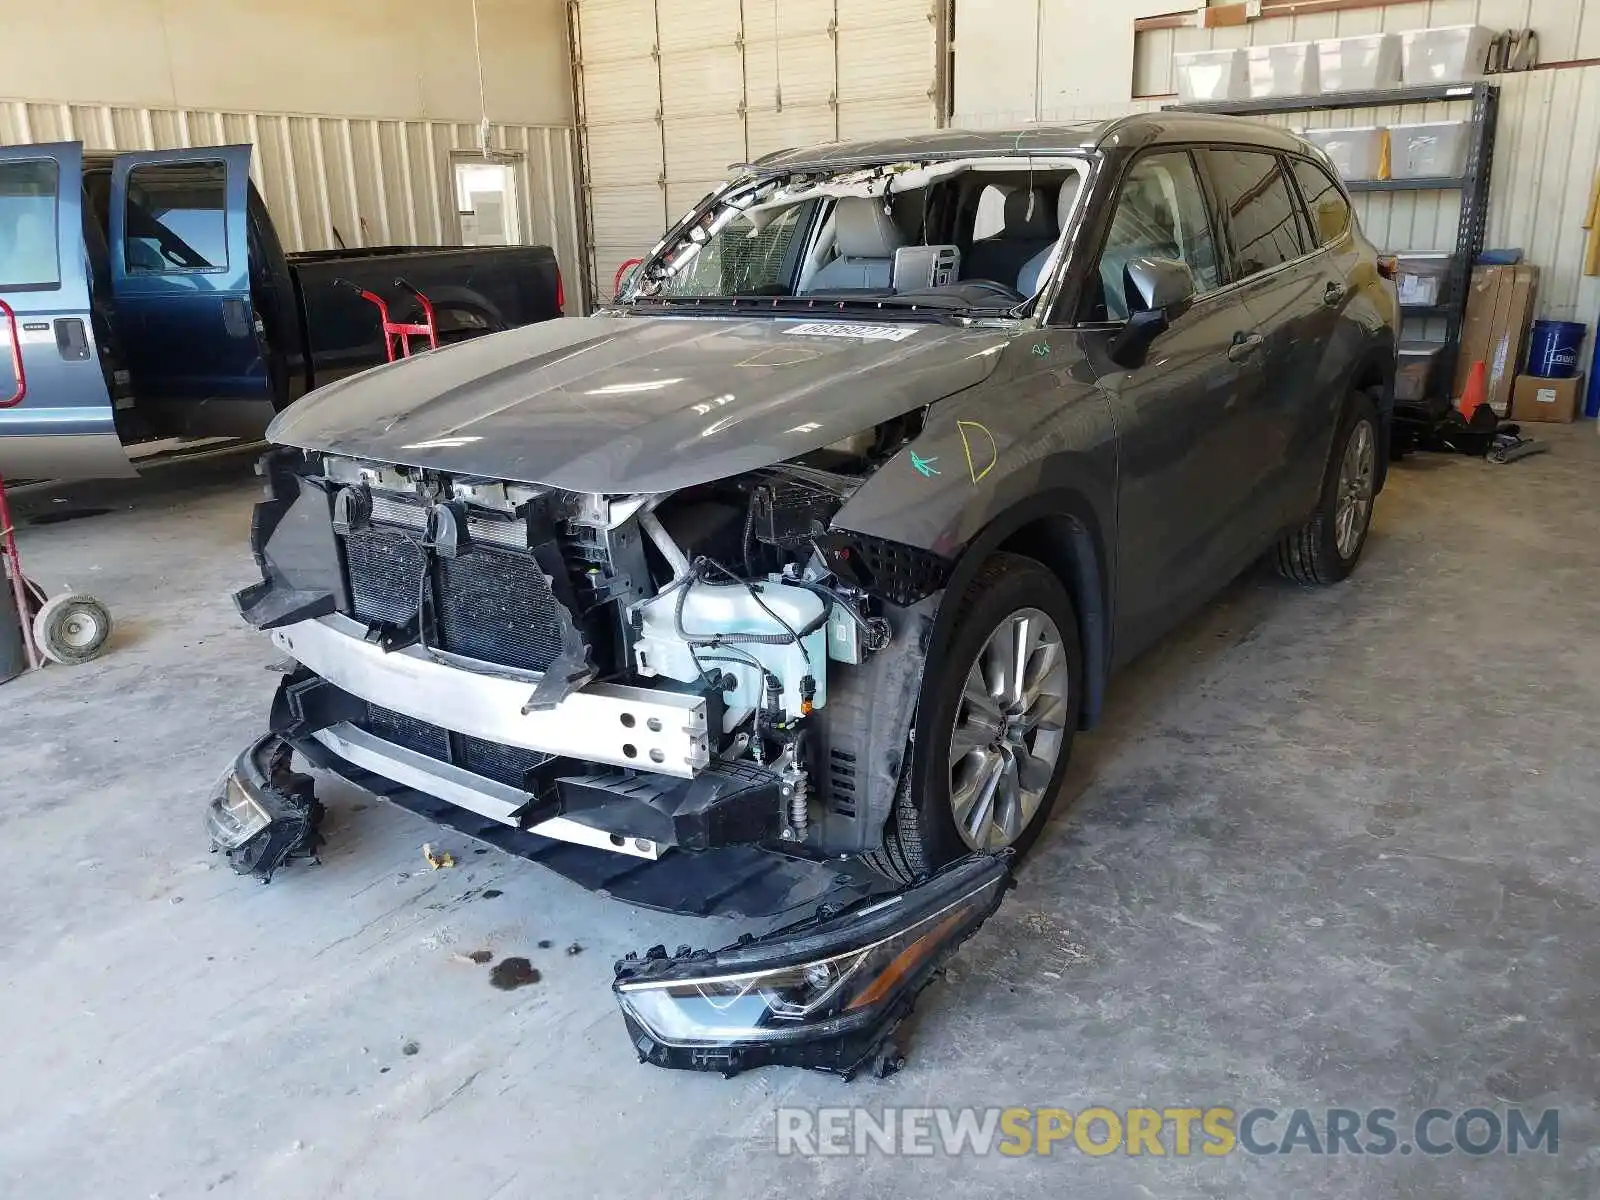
[1244, 345]
[235, 318]
[1334, 294]
[72, 340]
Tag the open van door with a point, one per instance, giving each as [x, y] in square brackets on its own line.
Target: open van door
[56, 416]
[180, 274]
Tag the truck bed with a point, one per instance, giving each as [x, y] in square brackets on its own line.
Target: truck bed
[474, 289]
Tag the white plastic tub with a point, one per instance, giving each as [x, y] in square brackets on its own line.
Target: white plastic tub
[1438, 148]
[1357, 153]
[1287, 70]
[1359, 64]
[1212, 75]
[1453, 54]
[1422, 278]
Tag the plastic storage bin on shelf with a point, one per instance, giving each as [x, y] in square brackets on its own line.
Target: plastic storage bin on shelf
[1417, 361]
[1356, 153]
[1424, 151]
[1212, 75]
[1454, 54]
[1288, 70]
[1359, 64]
[1422, 278]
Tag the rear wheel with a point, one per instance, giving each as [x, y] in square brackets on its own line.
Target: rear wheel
[1327, 547]
[994, 726]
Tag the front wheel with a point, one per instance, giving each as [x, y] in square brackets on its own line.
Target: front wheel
[1327, 547]
[995, 721]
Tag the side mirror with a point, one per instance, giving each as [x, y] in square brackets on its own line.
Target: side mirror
[1160, 290]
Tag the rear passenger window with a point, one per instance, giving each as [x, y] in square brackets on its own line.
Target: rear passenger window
[1330, 212]
[1160, 213]
[1261, 209]
[177, 218]
[28, 225]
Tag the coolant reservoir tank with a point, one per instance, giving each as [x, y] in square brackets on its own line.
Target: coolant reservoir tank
[712, 609]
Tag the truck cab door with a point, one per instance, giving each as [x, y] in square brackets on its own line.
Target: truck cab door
[56, 417]
[180, 274]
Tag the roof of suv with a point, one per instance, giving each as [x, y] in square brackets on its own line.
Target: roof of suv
[1140, 129]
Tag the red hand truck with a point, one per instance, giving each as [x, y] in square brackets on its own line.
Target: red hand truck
[397, 335]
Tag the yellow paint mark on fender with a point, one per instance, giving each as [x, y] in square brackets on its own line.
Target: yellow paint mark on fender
[978, 442]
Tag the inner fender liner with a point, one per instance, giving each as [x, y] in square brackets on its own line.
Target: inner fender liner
[861, 742]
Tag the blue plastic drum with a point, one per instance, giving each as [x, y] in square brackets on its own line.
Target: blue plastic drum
[1554, 348]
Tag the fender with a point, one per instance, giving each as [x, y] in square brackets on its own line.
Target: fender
[1026, 464]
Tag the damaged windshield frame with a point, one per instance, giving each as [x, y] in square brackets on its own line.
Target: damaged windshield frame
[955, 211]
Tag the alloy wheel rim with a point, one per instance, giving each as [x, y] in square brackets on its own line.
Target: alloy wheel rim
[1008, 732]
[1354, 496]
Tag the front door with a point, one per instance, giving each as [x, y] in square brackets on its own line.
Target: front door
[1182, 414]
[181, 275]
[56, 415]
[1285, 286]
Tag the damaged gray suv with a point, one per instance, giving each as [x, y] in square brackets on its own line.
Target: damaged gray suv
[823, 540]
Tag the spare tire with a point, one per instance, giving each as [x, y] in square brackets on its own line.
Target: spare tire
[71, 628]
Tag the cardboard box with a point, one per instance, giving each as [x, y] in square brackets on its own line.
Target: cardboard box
[1500, 304]
[1538, 399]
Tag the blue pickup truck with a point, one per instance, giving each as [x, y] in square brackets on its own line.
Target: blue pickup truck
[146, 296]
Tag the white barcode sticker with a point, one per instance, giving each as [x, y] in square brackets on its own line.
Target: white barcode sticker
[850, 329]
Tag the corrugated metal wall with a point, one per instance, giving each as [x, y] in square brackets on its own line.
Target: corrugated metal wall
[1547, 149]
[673, 91]
[379, 182]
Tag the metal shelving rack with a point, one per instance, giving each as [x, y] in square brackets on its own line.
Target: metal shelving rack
[1473, 183]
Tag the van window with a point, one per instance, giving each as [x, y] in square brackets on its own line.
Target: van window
[177, 218]
[1262, 212]
[1330, 212]
[1160, 214]
[28, 225]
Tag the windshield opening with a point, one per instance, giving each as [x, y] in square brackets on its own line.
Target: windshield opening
[979, 235]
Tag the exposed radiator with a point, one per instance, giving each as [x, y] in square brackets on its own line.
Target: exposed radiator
[492, 604]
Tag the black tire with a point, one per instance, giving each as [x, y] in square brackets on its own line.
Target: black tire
[922, 835]
[71, 628]
[1310, 555]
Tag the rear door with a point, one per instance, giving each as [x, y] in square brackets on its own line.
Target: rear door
[180, 272]
[55, 406]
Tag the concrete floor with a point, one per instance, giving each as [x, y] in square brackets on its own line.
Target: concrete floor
[1331, 848]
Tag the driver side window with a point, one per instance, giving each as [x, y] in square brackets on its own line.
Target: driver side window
[1160, 213]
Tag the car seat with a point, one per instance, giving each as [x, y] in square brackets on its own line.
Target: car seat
[1028, 278]
[1030, 226]
[866, 238]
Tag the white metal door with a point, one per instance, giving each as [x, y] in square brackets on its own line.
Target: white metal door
[672, 92]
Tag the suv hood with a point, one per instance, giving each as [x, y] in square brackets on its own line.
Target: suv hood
[639, 404]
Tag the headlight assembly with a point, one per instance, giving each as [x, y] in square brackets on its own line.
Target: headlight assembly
[825, 993]
[264, 812]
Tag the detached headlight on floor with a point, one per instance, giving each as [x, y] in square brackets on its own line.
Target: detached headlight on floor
[263, 812]
[234, 816]
[825, 993]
